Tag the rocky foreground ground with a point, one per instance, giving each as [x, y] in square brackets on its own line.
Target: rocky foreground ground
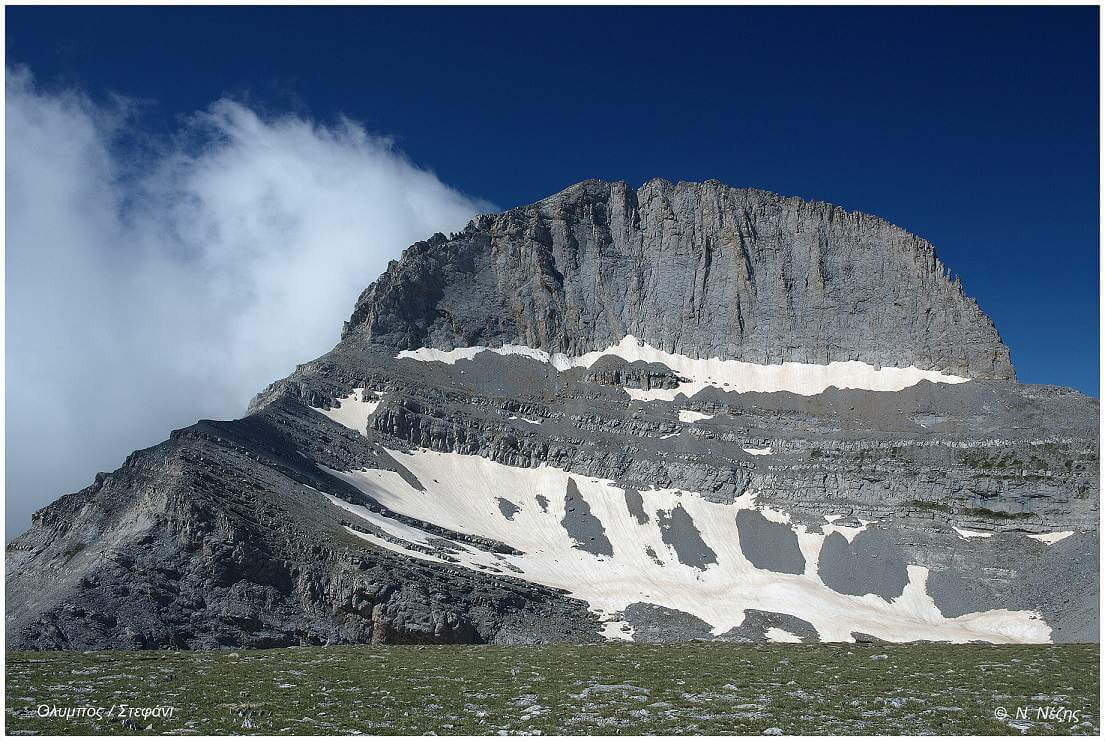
[696, 688]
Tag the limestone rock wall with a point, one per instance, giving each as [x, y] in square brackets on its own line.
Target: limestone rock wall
[700, 269]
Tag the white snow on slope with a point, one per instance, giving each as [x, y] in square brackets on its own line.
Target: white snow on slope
[690, 417]
[781, 636]
[526, 419]
[351, 411]
[1050, 538]
[758, 451]
[806, 379]
[968, 534]
[848, 531]
[615, 630]
[462, 494]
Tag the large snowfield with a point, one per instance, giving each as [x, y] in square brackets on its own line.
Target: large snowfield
[525, 508]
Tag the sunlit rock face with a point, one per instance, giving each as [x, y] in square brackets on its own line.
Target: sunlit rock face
[701, 270]
[655, 414]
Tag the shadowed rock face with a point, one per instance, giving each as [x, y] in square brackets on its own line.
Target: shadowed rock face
[699, 269]
[657, 624]
[1062, 587]
[871, 564]
[635, 505]
[678, 531]
[222, 535]
[583, 527]
[757, 622]
[508, 508]
[769, 545]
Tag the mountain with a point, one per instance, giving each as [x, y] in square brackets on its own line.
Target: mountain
[671, 412]
[701, 270]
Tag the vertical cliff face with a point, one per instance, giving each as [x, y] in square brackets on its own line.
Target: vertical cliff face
[696, 269]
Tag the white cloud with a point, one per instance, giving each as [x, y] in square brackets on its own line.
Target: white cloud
[151, 286]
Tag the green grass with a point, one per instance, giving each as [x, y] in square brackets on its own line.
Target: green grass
[696, 688]
[984, 512]
[73, 550]
[936, 506]
[987, 461]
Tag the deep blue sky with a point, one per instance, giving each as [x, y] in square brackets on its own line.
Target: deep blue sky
[974, 128]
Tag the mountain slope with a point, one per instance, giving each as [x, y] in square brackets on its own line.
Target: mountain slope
[671, 412]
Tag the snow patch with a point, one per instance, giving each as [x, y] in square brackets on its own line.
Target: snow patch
[1050, 538]
[351, 411]
[806, 379]
[617, 630]
[758, 451]
[848, 531]
[449, 357]
[462, 492]
[968, 534]
[527, 419]
[778, 635]
[690, 417]
[392, 527]
[642, 394]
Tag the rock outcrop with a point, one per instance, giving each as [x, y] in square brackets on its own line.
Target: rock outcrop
[698, 269]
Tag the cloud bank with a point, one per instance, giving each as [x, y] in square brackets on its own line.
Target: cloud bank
[152, 284]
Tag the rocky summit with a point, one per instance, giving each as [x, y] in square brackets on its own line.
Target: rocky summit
[679, 411]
